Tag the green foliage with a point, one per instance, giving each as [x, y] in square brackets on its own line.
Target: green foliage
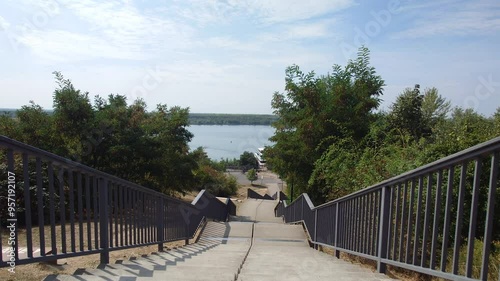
[316, 112]
[494, 260]
[252, 175]
[406, 114]
[148, 148]
[248, 160]
[435, 108]
[210, 175]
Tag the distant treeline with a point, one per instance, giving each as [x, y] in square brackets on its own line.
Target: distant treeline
[230, 119]
[201, 118]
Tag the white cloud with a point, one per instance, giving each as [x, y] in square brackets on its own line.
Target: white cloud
[112, 29]
[459, 18]
[259, 11]
[64, 46]
[310, 30]
[3, 24]
[291, 10]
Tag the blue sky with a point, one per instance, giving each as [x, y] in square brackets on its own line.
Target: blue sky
[230, 56]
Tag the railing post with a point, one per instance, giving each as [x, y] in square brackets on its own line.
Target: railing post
[186, 241]
[315, 228]
[103, 220]
[160, 224]
[302, 208]
[384, 229]
[336, 231]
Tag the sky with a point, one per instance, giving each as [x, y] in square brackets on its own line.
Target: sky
[230, 56]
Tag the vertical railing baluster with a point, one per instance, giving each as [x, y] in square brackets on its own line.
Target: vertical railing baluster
[364, 223]
[12, 215]
[351, 224]
[104, 220]
[111, 210]
[148, 218]
[121, 212]
[356, 224]
[80, 209]
[88, 212]
[143, 218]
[460, 213]
[27, 203]
[369, 236]
[447, 218]
[391, 213]
[488, 228]
[376, 225]
[62, 208]
[134, 216]
[52, 210]
[39, 193]
[437, 213]
[72, 209]
[337, 230]
[160, 224]
[96, 203]
[126, 213]
[473, 218]
[409, 229]
[396, 223]
[416, 241]
[427, 216]
[404, 215]
[315, 238]
[384, 222]
[115, 212]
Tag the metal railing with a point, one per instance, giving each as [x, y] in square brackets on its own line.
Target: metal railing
[254, 195]
[429, 220]
[53, 208]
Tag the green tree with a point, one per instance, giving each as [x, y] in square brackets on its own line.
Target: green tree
[435, 108]
[406, 114]
[316, 112]
[73, 117]
[252, 175]
[247, 159]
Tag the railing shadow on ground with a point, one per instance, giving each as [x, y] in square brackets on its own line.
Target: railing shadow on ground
[69, 209]
[421, 220]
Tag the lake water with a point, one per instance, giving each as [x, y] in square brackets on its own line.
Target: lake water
[229, 141]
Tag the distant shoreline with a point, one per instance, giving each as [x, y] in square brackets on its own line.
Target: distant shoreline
[203, 118]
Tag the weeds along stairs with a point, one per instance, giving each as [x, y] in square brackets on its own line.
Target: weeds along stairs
[254, 246]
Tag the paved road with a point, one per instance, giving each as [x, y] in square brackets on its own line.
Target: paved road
[264, 178]
[255, 210]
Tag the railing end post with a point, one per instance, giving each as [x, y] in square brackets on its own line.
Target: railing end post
[381, 267]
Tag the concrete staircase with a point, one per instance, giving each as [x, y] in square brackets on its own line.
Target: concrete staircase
[256, 246]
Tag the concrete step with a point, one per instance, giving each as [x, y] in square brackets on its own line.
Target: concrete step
[109, 272]
[309, 277]
[189, 274]
[62, 277]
